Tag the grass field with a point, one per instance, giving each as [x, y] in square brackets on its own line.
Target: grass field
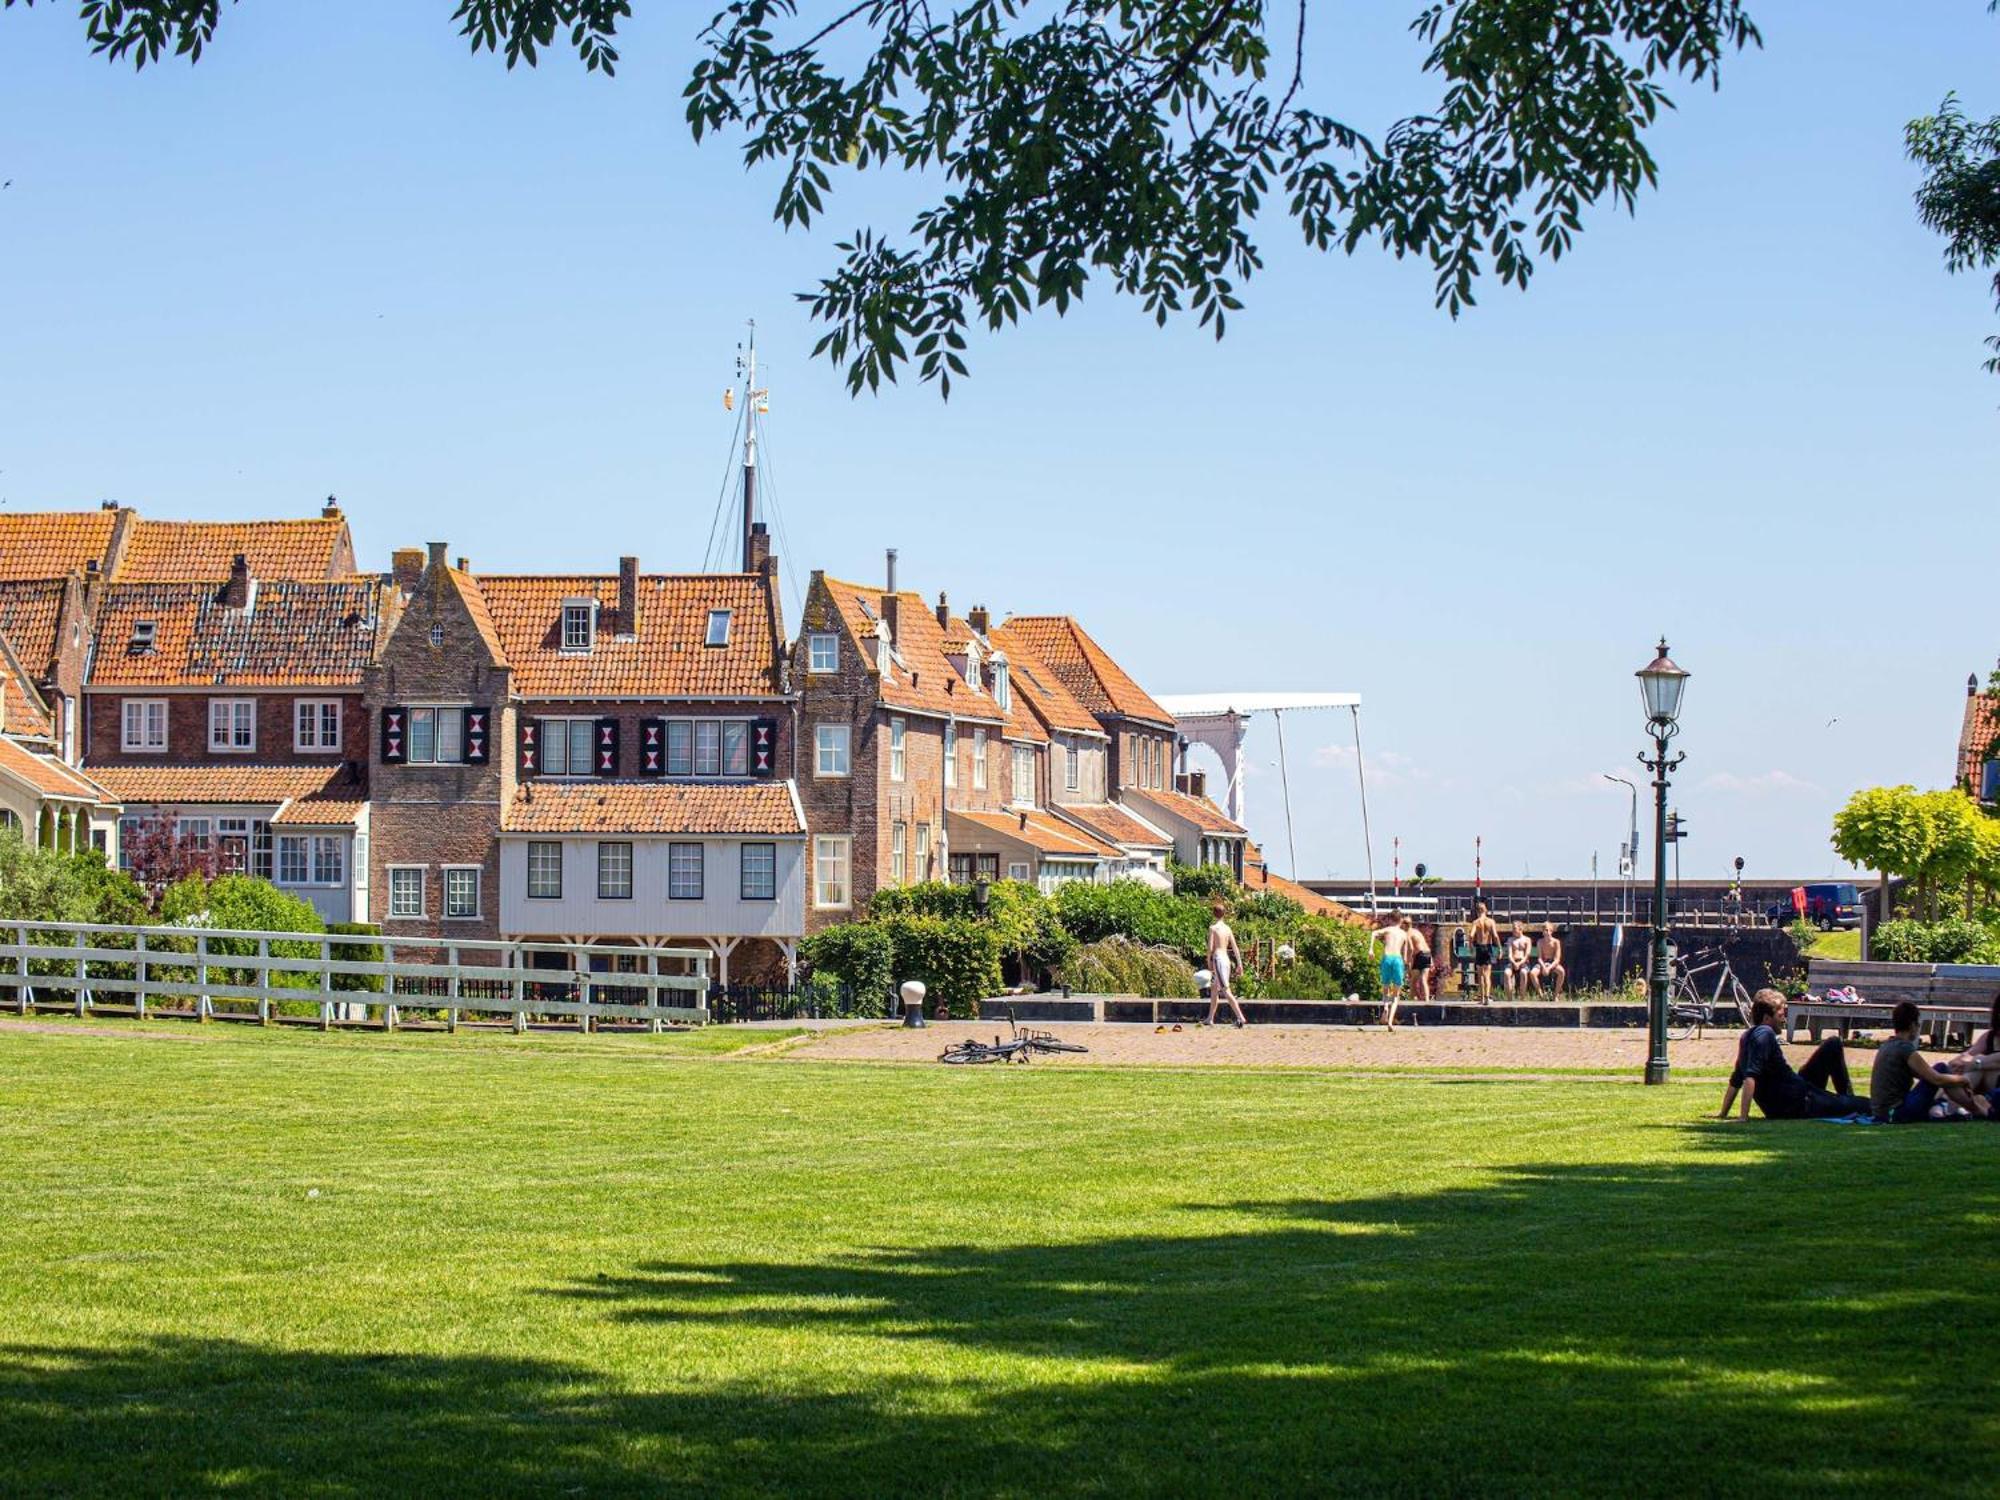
[344, 1265]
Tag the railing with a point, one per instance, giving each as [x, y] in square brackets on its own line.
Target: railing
[1564, 909]
[80, 966]
[808, 1002]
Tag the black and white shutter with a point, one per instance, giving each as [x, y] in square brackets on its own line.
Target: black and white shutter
[395, 735]
[764, 748]
[606, 759]
[476, 722]
[652, 747]
[527, 740]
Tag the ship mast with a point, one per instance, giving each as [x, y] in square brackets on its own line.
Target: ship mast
[756, 402]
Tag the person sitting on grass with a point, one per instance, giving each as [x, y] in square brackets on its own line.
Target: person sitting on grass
[1979, 1064]
[1904, 1086]
[1763, 1074]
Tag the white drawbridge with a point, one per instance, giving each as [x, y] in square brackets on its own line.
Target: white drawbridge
[1222, 720]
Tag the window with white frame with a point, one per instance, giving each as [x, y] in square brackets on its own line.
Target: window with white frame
[923, 851]
[898, 866]
[145, 726]
[1024, 774]
[950, 753]
[614, 871]
[979, 760]
[437, 736]
[823, 652]
[232, 725]
[196, 833]
[830, 749]
[292, 864]
[686, 867]
[545, 871]
[316, 725]
[329, 859]
[1017, 869]
[708, 747]
[972, 666]
[718, 627]
[461, 893]
[832, 871]
[757, 868]
[579, 624]
[1003, 686]
[735, 747]
[898, 761]
[406, 890]
[567, 746]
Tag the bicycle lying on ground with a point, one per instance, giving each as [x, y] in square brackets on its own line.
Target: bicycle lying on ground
[1689, 1011]
[1019, 1047]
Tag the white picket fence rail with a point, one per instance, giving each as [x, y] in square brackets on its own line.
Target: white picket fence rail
[83, 966]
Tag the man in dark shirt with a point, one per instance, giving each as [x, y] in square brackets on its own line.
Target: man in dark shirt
[1904, 1085]
[1762, 1072]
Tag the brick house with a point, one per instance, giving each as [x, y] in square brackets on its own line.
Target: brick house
[48, 802]
[590, 758]
[1979, 742]
[231, 715]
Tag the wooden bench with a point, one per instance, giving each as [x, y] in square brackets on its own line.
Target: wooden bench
[1954, 1000]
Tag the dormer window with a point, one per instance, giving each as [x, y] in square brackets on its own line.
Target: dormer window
[972, 666]
[718, 627]
[1003, 687]
[142, 636]
[579, 624]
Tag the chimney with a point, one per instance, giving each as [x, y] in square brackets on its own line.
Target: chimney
[892, 570]
[107, 505]
[236, 592]
[1197, 783]
[944, 612]
[436, 550]
[1971, 684]
[464, 565]
[979, 619]
[628, 598]
[890, 616]
[407, 568]
[331, 510]
[759, 549]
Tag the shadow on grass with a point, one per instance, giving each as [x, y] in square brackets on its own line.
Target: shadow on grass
[1733, 1318]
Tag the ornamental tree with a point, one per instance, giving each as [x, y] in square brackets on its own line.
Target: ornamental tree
[1886, 829]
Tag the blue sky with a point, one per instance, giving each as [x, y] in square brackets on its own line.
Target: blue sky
[342, 256]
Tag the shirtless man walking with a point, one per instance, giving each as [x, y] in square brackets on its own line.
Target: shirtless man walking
[1397, 943]
[1485, 935]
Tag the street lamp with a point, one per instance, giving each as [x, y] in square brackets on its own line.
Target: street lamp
[1661, 684]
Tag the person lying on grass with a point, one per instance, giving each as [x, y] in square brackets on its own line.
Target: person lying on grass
[1763, 1074]
[1904, 1086]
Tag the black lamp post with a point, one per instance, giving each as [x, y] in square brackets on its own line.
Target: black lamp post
[1661, 684]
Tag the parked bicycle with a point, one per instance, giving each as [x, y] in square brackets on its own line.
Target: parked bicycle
[1696, 1004]
[1020, 1046]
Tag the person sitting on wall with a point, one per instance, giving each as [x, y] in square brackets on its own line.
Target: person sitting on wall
[1765, 1075]
[1904, 1086]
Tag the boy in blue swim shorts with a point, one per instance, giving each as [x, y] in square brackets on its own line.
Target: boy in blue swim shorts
[1396, 941]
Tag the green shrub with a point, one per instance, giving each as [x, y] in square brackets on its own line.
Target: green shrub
[860, 955]
[1298, 980]
[1128, 909]
[244, 903]
[1203, 883]
[1115, 966]
[42, 885]
[958, 960]
[1951, 941]
[1343, 951]
[1266, 906]
[355, 953]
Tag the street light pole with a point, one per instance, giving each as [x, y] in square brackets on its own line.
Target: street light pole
[1661, 684]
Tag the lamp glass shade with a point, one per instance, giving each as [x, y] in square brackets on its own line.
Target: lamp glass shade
[1661, 684]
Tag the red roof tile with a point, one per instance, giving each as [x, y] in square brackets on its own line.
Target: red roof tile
[1976, 737]
[294, 634]
[335, 803]
[53, 544]
[1257, 877]
[1055, 705]
[1097, 682]
[202, 551]
[250, 785]
[1114, 824]
[1041, 832]
[667, 656]
[22, 710]
[30, 612]
[654, 807]
[1199, 811]
[47, 775]
[922, 677]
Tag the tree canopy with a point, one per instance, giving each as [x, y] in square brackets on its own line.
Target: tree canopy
[1960, 194]
[1136, 141]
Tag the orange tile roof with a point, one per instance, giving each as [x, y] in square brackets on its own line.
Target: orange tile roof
[24, 712]
[30, 612]
[48, 775]
[1199, 811]
[295, 634]
[53, 544]
[318, 547]
[1976, 737]
[1051, 702]
[1098, 682]
[335, 803]
[1113, 824]
[1041, 832]
[654, 807]
[923, 679]
[217, 783]
[1257, 877]
[667, 657]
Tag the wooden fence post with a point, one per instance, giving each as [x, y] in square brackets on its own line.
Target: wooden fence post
[264, 981]
[653, 989]
[139, 978]
[452, 989]
[82, 979]
[24, 993]
[203, 1009]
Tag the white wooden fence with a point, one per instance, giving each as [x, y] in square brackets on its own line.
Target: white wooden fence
[81, 967]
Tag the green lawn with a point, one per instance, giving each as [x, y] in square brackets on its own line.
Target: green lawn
[429, 1265]
[1841, 943]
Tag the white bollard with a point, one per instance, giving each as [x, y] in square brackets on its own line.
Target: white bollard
[913, 1003]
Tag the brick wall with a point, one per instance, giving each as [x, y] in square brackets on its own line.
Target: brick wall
[434, 816]
[187, 729]
[1128, 768]
[629, 716]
